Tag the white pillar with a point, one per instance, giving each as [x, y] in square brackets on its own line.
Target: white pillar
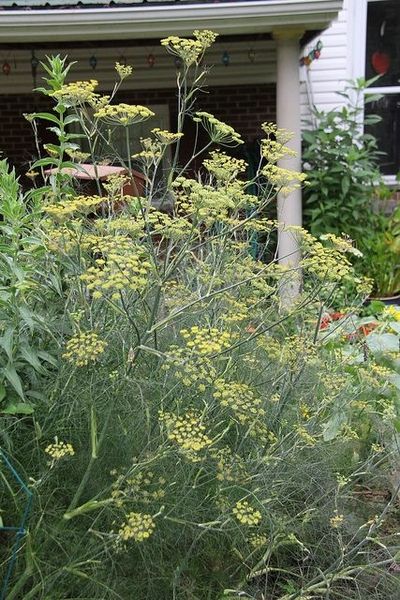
[288, 117]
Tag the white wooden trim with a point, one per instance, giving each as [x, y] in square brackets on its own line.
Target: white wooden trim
[144, 21]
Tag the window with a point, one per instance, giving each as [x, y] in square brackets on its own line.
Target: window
[382, 58]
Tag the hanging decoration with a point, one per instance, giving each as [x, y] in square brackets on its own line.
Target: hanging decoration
[380, 62]
[93, 62]
[151, 59]
[34, 65]
[252, 55]
[6, 68]
[380, 59]
[226, 59]
[305, 61]
[178, 62]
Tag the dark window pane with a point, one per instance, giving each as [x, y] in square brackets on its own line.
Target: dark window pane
[383, 42]
[387, 131]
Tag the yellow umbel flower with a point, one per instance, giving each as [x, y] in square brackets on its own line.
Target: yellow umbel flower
[83, 348]
[123, 71]
[139, 527]
[79, 92]
[246, 514]
[116, 272]
[223, 167]
[123, 114]
[187, 431]
[219, 132]
[190, 51]
[66, 208]
[336, 521]
[59, 450]
[166, 137]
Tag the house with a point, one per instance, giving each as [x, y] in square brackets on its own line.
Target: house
[364, 41]
[255, 76]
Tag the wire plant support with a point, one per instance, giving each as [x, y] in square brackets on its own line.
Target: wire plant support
[19, 531]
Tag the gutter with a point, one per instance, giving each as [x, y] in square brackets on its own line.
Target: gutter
[148, 21]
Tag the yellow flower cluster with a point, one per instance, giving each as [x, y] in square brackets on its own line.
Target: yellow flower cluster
[120, 265]
[273, 151]
[230, 467]
[283, 180]
[143, 486]
[59, 450]
[77, 155]
[204, 202]
[246, 514]
[123, 71]
[219, 132]
[206, 341]
[342, 244]
[258, 540]
[62, 238]
[281, 136]
[246, 407]
[173, 227]
[327, 263]
[187, 431]
[223, 167]
[139, 527]
[336, 521]
[84, 347]
[166, 137]
[190, 51]
[78, 92]
[305, 436]
[66, 208]
[123, 114]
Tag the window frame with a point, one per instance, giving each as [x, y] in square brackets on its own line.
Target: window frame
[358, 11]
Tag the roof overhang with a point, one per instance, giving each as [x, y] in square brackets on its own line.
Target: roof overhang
[144, 21]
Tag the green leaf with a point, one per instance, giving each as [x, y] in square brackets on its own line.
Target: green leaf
[18, 408]
[382, 342]
[12, 376]
[6, 342]
[47, 117]
[333, 426]
[3, 391]
[31, 358]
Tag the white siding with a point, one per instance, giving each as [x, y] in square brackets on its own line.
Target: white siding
[328, 74]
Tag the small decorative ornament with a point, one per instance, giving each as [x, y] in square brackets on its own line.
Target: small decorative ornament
[226, 59]
[178, 62]
[34, 65]
[252, 55]
[93, 62]
[380, 62]
[314, 54]
[6, 68]
[151, 59]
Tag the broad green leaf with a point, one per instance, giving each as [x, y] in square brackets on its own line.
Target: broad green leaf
[12, 376]
[31, 357]
[382, 342]
[333, 426]
[18, 408]
[6, 342]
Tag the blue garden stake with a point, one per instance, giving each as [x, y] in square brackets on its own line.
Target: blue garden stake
[20, 531]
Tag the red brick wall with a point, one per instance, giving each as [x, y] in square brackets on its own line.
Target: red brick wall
[243, 107]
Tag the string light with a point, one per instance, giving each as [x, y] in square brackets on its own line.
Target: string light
[93, 62]
[305, 61]
[226, 59]
[151, 59]
[6, 68]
